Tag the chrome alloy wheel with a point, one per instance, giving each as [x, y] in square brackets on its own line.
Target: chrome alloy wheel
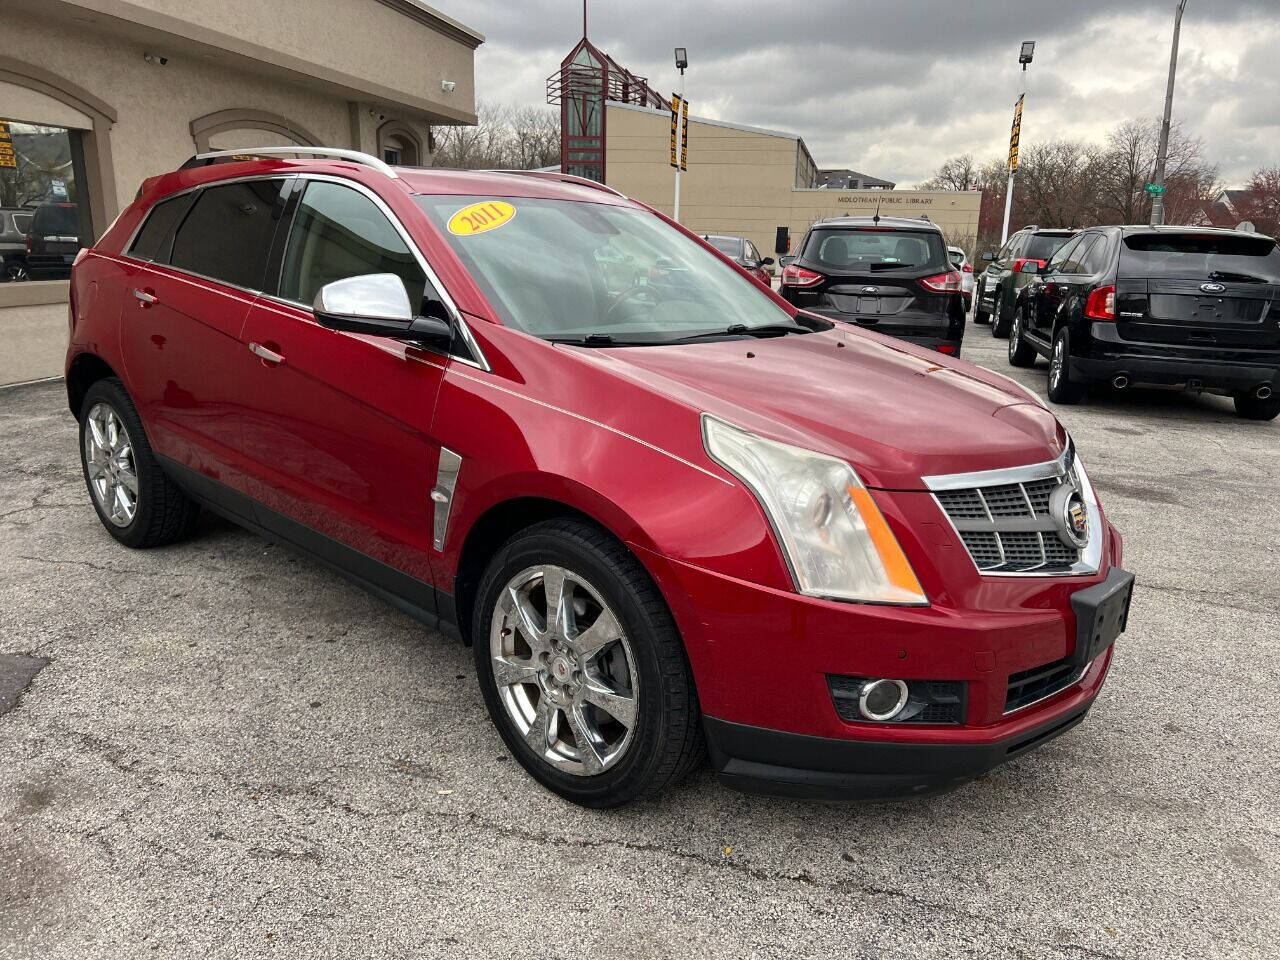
[1015, 332]
[1057, 362]
[108, 457]
[564, 669]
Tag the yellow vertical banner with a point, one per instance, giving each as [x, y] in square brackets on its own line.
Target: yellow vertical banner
[684, 134]
[675, 130]
[1015, 134]
[7, 158]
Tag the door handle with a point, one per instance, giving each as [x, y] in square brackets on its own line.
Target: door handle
[268, 356]
[145, 297]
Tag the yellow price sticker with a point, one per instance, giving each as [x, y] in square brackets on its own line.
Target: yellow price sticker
[481, 217]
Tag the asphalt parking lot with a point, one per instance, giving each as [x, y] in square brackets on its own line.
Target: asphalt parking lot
[227, 751]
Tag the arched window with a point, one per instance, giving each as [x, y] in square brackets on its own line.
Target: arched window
[399, 144]
[241, 127]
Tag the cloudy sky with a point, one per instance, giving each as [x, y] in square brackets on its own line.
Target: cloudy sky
[893, 88]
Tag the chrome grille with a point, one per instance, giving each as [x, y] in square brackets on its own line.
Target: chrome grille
[1005, 523]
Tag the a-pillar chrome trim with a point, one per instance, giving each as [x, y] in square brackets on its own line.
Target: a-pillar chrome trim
[442, 494]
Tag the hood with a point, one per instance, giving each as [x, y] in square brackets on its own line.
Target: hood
[896, 412]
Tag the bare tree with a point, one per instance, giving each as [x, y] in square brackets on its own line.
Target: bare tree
[503, 137]
[956, 173]
[1261, 205]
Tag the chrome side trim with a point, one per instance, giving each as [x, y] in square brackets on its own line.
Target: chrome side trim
[333, 153]
[442, 494]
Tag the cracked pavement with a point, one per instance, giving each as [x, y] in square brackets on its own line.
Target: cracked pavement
[234, 753]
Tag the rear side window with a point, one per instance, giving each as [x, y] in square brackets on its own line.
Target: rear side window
[338, 233]
[877, 250]
[150, 244]
[23, 222]
[1042, 246]
[1197, 255]
[1078, 258]
[1065, 252]
[227, 235]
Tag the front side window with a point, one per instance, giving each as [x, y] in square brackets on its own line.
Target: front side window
[752, 252]
[228, 233]
[338, 232]
[562, 269]
[877, 250]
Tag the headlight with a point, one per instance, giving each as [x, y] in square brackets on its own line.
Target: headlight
[833, 535]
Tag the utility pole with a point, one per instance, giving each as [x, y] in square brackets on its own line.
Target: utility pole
[1162, 154]
[682, 61]
[1025, 54]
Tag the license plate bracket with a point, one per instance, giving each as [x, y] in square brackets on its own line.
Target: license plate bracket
[1102, 614]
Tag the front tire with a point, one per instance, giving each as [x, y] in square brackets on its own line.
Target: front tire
[136, 502]
[999, 324]
[1021, 354]
[581, 666]
[1062, 389]
[1252, 408]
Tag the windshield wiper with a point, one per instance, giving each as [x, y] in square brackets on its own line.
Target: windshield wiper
[602, 340]
[1238, 277]
[741, 329]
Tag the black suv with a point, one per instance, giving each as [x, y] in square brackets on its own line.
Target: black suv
[1191, 307]
[54, 240]
[887, 274]
[1008, 270]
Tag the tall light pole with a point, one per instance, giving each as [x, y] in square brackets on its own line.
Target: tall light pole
[1025, 54]
[682, 61]
[1162, 154]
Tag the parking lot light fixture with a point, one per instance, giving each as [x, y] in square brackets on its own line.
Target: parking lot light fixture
[1025, 53]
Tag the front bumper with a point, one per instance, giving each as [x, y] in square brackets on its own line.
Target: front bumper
[781, 764]
[764, 659]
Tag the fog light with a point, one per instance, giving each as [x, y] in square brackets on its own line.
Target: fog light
[882, 699]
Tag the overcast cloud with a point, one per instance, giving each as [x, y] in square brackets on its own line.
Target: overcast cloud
[893, 88]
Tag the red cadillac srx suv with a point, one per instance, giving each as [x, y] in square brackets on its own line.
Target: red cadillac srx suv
[672, 514]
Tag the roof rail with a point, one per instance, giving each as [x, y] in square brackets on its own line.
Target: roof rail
[355, 156]
[564, 178]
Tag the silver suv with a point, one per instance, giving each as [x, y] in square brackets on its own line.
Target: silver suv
[15, 224]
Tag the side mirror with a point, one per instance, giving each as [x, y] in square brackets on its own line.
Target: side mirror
[988, 255]
[767, 261]
[786, 261]
[1029, 266]
[378, 304]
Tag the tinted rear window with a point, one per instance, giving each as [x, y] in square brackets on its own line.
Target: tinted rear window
[1195, 255]
[228, 233]
[879, 250]
[147, 244]
[57, 219]
[1042, 246]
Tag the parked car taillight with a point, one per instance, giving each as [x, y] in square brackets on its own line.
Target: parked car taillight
[28, 243]
[967, 268]
[1101, 304]
[948, 282]
[794, 276]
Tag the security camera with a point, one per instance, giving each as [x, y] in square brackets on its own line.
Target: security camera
[447, 86]
[155, 59]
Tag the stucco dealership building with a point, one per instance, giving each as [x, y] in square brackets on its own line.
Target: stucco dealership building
[99, 94]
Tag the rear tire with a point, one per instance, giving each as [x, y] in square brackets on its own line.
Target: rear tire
[1062, 389]
[1251, 408]
[1021, 354]
[135, 500]
[554, 688]
[999, 323]
[981, 317]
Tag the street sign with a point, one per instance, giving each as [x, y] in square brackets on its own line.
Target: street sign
[1155, 189]
[675, 130]
[7, 158]
[1015, 134]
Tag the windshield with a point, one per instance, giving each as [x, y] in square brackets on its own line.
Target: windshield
[878, 250]
[1198, 255]
[1042, 246]
[562, 269]
[729, 246]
